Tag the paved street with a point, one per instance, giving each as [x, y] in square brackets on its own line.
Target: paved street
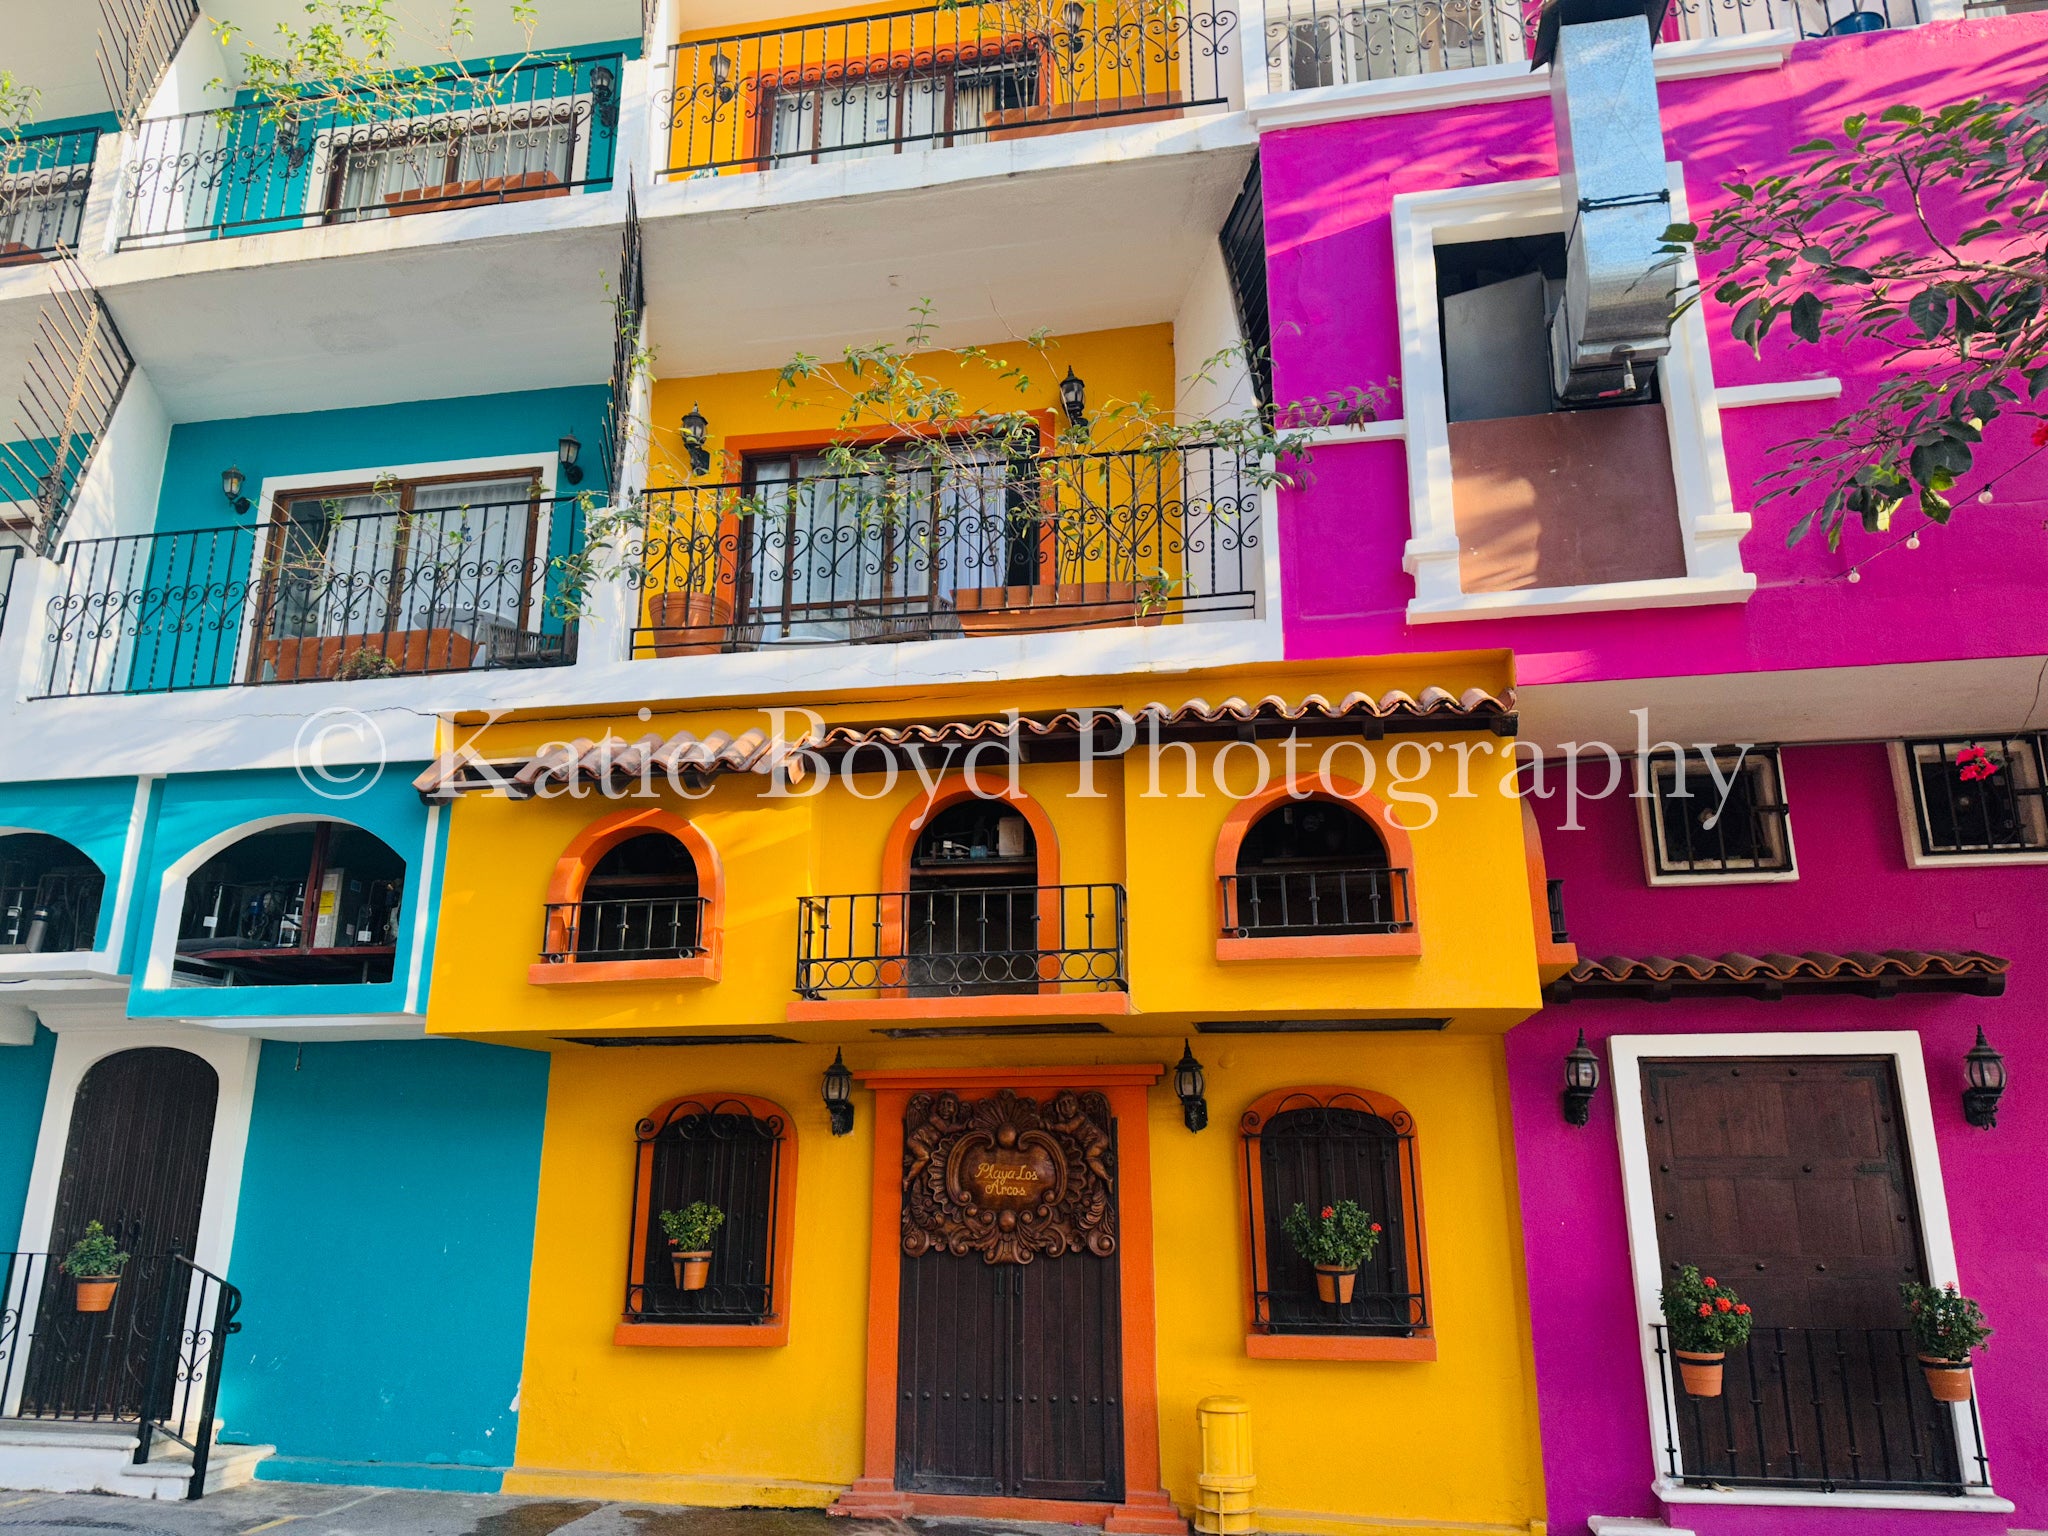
[308, 1509]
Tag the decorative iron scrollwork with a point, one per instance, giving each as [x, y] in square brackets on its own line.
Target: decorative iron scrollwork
[1008, 1177]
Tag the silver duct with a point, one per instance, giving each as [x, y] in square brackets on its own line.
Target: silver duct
[1615, 319]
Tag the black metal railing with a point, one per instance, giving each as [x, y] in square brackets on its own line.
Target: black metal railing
[57, 914]
[624, 928]
[721, 1152]
[371, 595]
[440, 140]
[1808, 18]
[1559, 933]
[152, 1358]
[1831, 1409]
[44, 179]
[964, 940]
[1286, 903]
[973, 546]
[939, 77]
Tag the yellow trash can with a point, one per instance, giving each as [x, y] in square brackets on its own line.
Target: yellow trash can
[1224, 1505]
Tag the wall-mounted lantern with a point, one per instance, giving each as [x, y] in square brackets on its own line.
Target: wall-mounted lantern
[1984, 1069]
[1581, 1080]
[231, 487]
[721, 76]
[694, 428]
[839, 1094]
[1188, 1085]
[567, 451]
[1074, 396]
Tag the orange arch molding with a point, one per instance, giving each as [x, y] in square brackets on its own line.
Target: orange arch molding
[572, 871]
[1251, 1185]
[1337, 791]
[783, 1241]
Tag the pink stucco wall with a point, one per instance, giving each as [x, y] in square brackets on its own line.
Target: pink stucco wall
[1854, 891]
[1971, 590]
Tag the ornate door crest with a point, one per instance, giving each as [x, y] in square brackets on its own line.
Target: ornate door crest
[1007, 1177]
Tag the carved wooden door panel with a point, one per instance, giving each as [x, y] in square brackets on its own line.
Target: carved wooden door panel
[1009, 1365]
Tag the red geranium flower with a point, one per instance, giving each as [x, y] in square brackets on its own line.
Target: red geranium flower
[1722, 1304]
[1710, 1282]
[1705, 1310]
[1329, 1211]
[1375, 1226]
[1742, 1308]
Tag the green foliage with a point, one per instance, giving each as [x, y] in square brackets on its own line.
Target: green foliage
[1704, 1316]
[363, 664]
[1341, 1235]
[1922, 235]
[1945, 1324]
[691, 1229]
[94, 1256]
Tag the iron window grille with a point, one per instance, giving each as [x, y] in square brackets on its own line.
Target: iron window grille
[972, 940]
[1837, 1410]
[624, 928]
[1315, 1149]
[724, 1152]
[1283, 903]
[1692, 831]
[1977, 798]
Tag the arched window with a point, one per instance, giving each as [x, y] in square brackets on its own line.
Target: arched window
[296, 905]
[1314, 868]
[636, 895]
[49, 895]
[1315, 1147]
[971, 921]
[737, 1154]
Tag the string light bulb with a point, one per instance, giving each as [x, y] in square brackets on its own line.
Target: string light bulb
[1855, 576]
[1913, 542]
[1985, 495]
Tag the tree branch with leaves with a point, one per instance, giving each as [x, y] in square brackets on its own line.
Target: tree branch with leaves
[1919, 236]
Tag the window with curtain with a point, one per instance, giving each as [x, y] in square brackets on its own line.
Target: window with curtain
[854, 118]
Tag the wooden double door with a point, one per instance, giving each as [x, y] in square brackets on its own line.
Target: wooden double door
[1787, 1179]
[1009, 1356]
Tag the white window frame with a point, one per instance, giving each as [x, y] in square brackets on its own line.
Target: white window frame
[1906, 794]
[1711, 527]
[1697, 778]
[1626, 1054]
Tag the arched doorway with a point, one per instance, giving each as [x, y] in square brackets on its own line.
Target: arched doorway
[135, 1161]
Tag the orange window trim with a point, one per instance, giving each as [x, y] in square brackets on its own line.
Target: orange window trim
[572, 873]
[1251, 1186]
[765, 1335]
[1336, 790]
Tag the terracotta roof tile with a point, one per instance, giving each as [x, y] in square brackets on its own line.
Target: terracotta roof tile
[1873, 972]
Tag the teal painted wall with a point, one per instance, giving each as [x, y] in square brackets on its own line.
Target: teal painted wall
[192, 809]
[24, 1080]
[382, 1248]
[90, 814]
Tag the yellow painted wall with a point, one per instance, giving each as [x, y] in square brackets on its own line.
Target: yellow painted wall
[1338, 1446]
[1477, 965]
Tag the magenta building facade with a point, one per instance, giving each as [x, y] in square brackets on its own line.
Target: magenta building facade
[1780, 999]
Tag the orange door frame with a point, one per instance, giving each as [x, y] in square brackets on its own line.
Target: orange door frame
[1147, 1510]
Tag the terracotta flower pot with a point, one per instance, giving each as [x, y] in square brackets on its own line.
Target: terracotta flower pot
[1948, 1380]
[689, 623]
[96, 1293]
[1699, 1371]
[692, 1267]
[1335, 1283]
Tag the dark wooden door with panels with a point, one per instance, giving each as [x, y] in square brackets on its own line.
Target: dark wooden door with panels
[1788, 1180]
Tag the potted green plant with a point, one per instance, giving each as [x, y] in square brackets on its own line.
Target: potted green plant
[1706, 1320]
[689, 1239]
[95, 1262]
[1946, 1327]
[1337, 1241]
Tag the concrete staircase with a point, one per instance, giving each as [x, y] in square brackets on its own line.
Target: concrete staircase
[65, 1456]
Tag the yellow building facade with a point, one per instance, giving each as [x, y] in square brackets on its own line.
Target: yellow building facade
[1000, 1273]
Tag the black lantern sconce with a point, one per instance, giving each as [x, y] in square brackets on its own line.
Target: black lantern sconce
[839, 1094]
[721, 76]
[567, 450]
[1074, 397]
[1984, 1069]
[231, 487]
[1072, 14]
[1581, 1079]
[694, 427]
[1188, 1083]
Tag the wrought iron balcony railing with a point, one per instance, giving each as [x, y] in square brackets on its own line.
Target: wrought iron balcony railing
[372, 595]
[1065, 541]
[963, 940]
[624, 928]
[1838, 1410]
[936, 77]
[1296, 903]
[438, 141]
[44, 178]
[1313, 43]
